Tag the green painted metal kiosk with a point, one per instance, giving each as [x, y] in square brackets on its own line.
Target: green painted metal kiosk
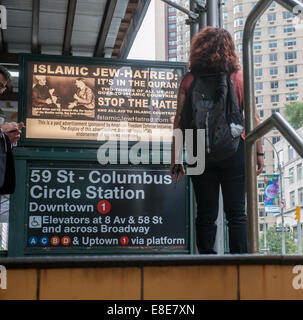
[92, 164]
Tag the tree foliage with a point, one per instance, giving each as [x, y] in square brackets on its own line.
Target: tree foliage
[294, 114]
[274, 242]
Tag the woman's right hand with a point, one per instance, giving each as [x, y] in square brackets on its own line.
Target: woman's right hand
[176, 177]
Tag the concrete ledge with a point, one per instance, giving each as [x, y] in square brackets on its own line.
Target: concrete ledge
[120, 261]
[153, 277]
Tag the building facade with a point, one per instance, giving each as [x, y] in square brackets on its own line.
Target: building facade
[278, 63]
[278, 66]
[292, 180]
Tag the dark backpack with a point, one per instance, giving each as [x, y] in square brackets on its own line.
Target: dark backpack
[211, 104]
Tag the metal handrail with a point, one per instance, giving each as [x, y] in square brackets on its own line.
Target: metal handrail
[274, 121]
[277, 121]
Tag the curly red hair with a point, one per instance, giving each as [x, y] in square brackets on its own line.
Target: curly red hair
[213, 48]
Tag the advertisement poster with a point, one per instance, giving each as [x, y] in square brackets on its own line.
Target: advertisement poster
[271, 193]
[73, 101]
[116, 208]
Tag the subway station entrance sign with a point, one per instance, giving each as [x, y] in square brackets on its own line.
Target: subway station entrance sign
[105, 208]
[67, 200]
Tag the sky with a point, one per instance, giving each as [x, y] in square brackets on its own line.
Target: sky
[144, 45]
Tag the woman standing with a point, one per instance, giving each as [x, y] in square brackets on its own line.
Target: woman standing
[212, 51]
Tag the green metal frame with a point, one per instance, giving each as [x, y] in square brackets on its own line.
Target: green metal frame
[73, 152]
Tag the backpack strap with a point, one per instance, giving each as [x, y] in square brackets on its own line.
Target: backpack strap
[190, 89]
[186, 113]
[230, 86]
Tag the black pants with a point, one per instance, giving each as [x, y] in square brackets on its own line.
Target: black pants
[230, 174]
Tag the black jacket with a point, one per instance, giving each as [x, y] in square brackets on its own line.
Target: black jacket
[8, 186]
